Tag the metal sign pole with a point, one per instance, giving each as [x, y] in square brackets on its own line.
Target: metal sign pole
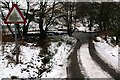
[15, 16]
[16, 46]
[0, 39]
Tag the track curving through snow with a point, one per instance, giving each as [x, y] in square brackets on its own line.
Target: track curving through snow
[91, 69]
[105, 66]
[78, 56]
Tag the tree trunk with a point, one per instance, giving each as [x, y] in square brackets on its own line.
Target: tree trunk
[10, 30]
[25, 28]
[42, 31]
[106, 37]
[117, 40]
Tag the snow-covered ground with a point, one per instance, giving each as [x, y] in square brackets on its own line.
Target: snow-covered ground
[31, 63]
[0, 48]
[92, 70]
[28, 56]
[85, 28]
[107, 52]
[59, 63]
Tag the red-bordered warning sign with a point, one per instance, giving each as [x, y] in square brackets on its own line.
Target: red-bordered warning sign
[15, 16]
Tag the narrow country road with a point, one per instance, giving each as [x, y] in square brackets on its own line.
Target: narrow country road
[73, 69]
[101, 63]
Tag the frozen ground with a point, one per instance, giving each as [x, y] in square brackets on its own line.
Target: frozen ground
[107, 52]
[81, 27]
[27, 57]
[31, 63]
[59, 63]
[92, 70]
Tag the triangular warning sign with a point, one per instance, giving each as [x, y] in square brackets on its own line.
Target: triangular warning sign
[15, 16]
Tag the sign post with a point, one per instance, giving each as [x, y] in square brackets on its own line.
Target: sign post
[16, 45]
[15, 17]
[0, 36]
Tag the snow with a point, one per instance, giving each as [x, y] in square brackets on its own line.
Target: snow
[0, 48]
[86, 29]
[29, 60]
[91, 69]
[27, 56]
[81, 27]
[107, 52]
[59, 61]
[23, 4]
[116, 0]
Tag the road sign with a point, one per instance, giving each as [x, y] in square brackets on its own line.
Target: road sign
[15, 16]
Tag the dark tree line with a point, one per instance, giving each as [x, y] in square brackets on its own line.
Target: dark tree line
[105, 14]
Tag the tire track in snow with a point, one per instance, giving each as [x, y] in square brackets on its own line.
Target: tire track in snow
[101, 63]
[92, 70]
[73, 69]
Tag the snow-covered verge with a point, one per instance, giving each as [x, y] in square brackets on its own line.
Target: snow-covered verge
[31, 63]
[107, 52]
[90, 68]
[28, 57]
[60, 59]
[85, 28]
